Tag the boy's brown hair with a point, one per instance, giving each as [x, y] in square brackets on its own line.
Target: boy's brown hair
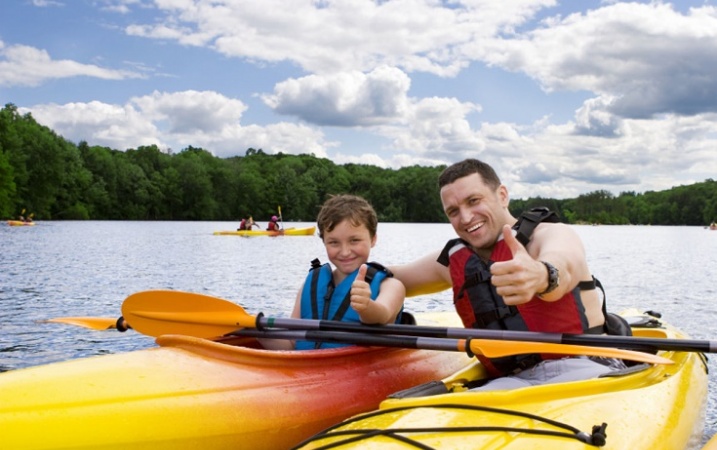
[346, 207]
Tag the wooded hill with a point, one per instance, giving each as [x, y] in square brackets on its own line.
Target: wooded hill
[55, 179]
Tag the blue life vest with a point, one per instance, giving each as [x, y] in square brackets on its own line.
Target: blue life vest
[322, 300]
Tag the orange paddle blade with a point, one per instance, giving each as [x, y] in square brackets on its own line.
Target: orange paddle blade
[161, 312]
[497, 349]
[94, 323]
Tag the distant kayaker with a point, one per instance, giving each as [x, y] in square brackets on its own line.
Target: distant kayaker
[526, 274]
[246, 224]
[273, 224]
[21, 217]
[355, 290]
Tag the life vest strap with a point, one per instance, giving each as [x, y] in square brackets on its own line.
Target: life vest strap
[316, 267]
[531, 219]
[589, 285]
[484, 319]
[372, 269]
[474, 279]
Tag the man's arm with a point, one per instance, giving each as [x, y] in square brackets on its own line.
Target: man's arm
[423, 276]
[521, 278]
[560, 243]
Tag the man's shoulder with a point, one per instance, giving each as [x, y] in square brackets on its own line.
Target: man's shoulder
[549, 230]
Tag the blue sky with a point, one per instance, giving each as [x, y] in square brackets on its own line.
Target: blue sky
[562, 98]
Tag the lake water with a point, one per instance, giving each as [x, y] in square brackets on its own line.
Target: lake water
[57, 269]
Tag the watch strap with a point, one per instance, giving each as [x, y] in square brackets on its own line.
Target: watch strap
[553, 278]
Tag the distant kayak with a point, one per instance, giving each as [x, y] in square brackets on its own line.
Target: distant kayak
[308, 231]
[20, 223]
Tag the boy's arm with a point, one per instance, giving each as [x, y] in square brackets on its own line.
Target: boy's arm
[285, 344]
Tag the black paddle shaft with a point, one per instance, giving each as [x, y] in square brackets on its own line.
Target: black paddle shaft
[414, 342]
[644, 344]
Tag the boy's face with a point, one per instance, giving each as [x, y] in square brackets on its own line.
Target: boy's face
[348, 246]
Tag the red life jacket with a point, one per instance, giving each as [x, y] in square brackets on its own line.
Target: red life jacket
[479, 305]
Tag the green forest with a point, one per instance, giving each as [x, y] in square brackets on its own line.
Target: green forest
[54, 179]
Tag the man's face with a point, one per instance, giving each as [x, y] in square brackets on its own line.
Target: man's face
[476, 211]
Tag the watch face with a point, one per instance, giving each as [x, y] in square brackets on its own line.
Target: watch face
[554, 276]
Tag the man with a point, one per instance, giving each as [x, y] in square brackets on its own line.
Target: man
[543, 284]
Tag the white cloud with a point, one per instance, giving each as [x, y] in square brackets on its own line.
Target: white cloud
[22, 65]
[282, 137]
[648, 58]
[46, 3]
[350, 35]
[177, 120]
[595, 118]
[119, 6]
[366, 158]
[437, 128]
[554, 161]
[98, 123]
[188, 112]
[344, 99]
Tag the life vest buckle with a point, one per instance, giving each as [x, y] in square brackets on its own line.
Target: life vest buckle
[486, 318]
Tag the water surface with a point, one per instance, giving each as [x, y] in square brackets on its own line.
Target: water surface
[57, 269]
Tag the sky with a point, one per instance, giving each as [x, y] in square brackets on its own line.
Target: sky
[562, 98]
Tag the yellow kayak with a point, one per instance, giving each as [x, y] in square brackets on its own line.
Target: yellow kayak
[20, 223]
[711, 444]
[307, 231]
[644, 407]
[192, 393]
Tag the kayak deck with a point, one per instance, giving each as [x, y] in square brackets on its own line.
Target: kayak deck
[647, 407]
[196, 393]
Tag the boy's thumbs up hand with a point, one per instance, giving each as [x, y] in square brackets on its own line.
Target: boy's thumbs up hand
[360, 291]
[361, 273]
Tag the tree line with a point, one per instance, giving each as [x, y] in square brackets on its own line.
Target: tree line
[55, 179]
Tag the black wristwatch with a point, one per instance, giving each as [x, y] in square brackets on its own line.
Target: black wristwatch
[553, 278]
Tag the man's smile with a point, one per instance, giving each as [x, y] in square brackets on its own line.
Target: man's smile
[475, 227]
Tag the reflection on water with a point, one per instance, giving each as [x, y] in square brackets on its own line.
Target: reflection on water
[59, 269]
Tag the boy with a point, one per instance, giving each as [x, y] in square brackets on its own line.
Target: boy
[356, 291]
